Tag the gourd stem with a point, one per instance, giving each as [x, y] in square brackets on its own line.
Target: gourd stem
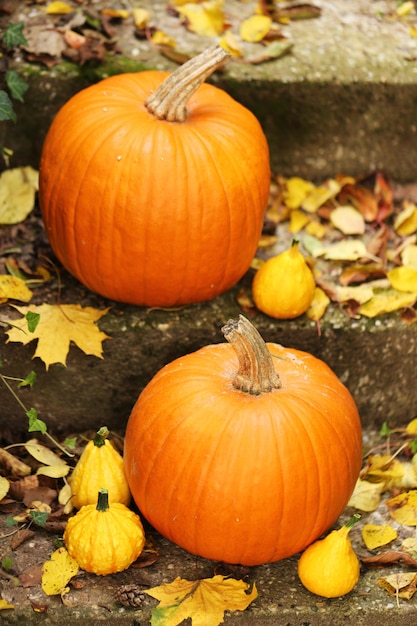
[256, 372]
[355, 518]
[169, 101]
[103, 500]
[101, 436]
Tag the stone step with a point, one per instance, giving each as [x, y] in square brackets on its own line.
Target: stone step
[343, 100]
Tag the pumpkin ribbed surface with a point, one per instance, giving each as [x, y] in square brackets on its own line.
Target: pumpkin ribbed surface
[236, 477]
[152, 212]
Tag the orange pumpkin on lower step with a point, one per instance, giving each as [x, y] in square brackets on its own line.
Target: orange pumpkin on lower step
[243, 452]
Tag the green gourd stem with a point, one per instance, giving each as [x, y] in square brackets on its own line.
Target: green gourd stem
[256, 372]
[351, 522]
[101, 436]
[103, 500]
[169, 101]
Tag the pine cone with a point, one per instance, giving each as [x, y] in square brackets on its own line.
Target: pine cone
[130, 595]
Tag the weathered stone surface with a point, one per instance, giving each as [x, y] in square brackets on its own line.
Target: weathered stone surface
[343, 100]
[282, 600]
[376, 360]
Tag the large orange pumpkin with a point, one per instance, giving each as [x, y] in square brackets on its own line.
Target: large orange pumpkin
[153, 186]
[243, 452]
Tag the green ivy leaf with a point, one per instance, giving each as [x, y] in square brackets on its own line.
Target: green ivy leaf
[7, 563]
[32, 320]
[70, 442]
[29, 380]
[39, 517]
[17, 86]
[385, 430]
[13, 35]
[35, 424]
[6, 108]
[413, 446]
[11, 522]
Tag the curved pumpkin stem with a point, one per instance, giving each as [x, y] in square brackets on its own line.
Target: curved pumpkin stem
[256, 368]
[169, 101]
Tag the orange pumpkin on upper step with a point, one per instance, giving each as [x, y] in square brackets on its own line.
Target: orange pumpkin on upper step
[243, 452]
[153, 186]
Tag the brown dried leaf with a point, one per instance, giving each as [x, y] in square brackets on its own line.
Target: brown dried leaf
[359, 273]
[390, 557]
[361, 198]
[297, 12]
[31, 576]
[18, 488]
[13, 465]
[22, 535]
[399, 585]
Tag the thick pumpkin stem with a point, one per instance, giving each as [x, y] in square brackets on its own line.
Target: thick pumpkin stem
[101, 436]
[256, 372]
[103, 500]
[169, 101]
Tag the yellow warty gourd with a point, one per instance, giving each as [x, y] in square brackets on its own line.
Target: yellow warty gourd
[104, 538]
[329, 567]
[284, 285]
[100, 465]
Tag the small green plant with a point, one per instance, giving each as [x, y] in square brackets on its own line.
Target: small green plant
[35, 424]
[12, 38]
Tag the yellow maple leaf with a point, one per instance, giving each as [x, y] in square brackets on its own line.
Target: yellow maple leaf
[205, 19]
[403, 278]
[386, 301]
[409, 256]
[366, 495]
[5, 605]
[403, 508]
[58, 326]
[17, 194]
[255, 27]
[318, 305]
[406, 221]
[298, 219]
[319, 195]
[15, 288]
[141, 17]
[4, 487]
[346, 250]
[297, 190]
[376, 536]
[59, 8]
[204, 601]
[57, 572]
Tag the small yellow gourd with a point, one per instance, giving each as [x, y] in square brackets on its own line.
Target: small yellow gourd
[100, 465]
[104, 538]
[330, 567]
[284, 285]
